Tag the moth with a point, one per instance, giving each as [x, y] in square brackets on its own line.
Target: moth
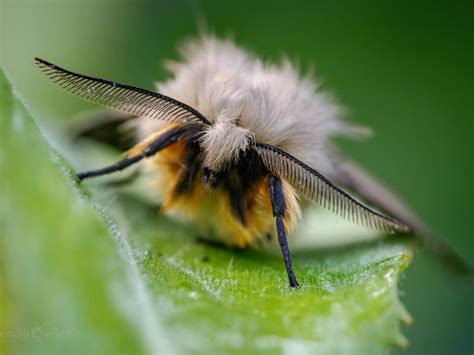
[238, 146]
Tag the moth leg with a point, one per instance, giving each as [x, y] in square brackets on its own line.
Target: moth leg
[189, 169]
[278, 206]
[161, 142]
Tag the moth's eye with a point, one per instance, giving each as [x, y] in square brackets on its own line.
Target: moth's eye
[209, 178]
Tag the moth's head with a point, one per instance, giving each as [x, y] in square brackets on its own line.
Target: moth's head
[223, 143]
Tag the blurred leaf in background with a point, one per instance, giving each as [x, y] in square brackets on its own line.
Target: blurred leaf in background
[404, 68]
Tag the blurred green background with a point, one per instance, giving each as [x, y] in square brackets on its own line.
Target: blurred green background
[405, 68]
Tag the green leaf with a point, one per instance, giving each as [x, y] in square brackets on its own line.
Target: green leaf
[69, 287]
[108, 274]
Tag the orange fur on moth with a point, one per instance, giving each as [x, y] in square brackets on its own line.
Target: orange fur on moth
[210, 212]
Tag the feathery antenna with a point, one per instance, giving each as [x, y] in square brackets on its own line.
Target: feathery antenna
[314, 186]
[126, 98]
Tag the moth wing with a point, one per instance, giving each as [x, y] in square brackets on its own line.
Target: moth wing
[106, 126]
[356, 179]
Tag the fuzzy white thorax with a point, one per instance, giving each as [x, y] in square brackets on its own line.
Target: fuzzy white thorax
[223, 143]
[249, 101]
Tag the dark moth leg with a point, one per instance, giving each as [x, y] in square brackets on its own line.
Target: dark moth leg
[233, 185]
[189, 169]
[278, 205]
[161, 142]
